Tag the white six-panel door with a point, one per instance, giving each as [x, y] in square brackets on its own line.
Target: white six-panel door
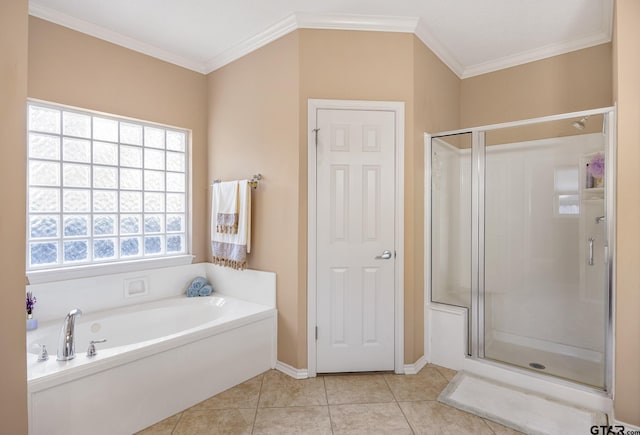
[355, 224]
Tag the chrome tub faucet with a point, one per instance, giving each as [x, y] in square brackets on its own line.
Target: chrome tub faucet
[66, 341]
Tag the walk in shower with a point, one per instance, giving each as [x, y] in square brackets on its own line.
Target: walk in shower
[521, 232]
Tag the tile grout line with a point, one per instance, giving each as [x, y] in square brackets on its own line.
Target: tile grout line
[406, 418]
[384, 377]
[398, 404]
[177, 422]
[442, 375]
[324, 384]
[487, 424]
[255, 415]
[326, 396]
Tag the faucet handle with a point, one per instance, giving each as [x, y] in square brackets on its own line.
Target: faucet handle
[91, 351]
[44, 355]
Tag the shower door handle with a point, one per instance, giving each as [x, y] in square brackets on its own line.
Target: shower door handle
[590, 251]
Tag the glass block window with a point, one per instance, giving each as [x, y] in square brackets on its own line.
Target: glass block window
[103, 188]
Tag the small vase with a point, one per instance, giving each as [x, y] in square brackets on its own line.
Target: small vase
[31, 322]
[598, 182]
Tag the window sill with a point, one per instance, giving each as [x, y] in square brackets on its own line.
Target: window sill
[50, 275]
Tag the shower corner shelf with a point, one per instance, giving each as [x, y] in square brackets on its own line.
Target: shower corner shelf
[588, 193]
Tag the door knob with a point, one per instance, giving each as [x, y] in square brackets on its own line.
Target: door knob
[385, 255]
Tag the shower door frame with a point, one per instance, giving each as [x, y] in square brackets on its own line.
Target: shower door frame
[476, 313]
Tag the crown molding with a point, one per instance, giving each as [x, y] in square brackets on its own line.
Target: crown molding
[607, 20]
[375, 23]
[312, 21]
[278, 30]
[424, 34]
[551, 50]
[99, 32]
[331, 21]
[535, 55]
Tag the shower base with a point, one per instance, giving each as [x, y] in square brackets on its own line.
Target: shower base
[570, 367]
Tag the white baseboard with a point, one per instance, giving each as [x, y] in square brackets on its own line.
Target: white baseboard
[412, 369]
[292, 371]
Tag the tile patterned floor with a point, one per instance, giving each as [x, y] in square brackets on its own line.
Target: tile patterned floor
[385, 403]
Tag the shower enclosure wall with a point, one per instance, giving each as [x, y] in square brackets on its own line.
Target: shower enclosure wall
[520, 219]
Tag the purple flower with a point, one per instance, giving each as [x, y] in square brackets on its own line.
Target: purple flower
[31, 301]
[596, 166]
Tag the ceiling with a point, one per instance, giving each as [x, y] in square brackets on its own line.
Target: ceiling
[471, 36]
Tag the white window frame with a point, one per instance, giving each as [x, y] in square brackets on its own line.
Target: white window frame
[117, 265]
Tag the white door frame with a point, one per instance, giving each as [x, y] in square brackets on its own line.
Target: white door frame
[389, 106]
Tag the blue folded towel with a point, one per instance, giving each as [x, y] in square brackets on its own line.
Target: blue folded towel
[205, 290]
[195, 286]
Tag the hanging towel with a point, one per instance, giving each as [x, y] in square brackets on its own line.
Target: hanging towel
[225, 195]
[231, 250]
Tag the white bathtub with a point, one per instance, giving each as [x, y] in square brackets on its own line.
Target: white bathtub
[160, 358]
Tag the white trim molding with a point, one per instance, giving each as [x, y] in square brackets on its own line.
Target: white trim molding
[425, 35]
[374, 23]
[278, 30]
[291, 371]
[117, 38]
[398, 109]
[312, 21]
[547, 51]
[413, 369]
[532, 55]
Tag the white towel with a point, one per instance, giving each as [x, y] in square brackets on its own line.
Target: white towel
[225, 196]
[231, 250]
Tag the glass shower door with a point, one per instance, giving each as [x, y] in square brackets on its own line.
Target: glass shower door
[450, 218]
[545, 298]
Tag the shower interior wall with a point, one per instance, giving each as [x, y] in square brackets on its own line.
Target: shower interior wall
[536, 292]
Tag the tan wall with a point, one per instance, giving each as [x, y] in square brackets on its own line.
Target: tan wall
[388, 67]
[546, 130]
[347, 65]
[627, 87]
[13, 95]
[72, 68]
[570, 82]
[253, 128]
[436, 108]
